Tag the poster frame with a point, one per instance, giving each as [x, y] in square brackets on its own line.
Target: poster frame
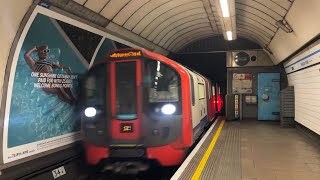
[58, 14]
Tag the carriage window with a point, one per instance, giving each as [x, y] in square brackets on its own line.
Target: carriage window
[213, 91]
[210, 93]
[192, 90]
[201, 91]
[162, 81]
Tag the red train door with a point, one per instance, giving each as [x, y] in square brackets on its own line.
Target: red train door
[214, 99]
[125, 99]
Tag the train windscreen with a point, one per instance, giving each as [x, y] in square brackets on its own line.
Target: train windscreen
[94, 99]
[95, 87]
[162, 85]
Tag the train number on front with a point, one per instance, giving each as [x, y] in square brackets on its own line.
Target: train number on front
[126, 127]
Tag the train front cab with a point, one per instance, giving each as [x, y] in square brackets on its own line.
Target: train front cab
[141, 110]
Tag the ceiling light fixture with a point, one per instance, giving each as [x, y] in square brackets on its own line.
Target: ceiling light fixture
[284, 26]
[225, 8]
[229, 35]
[227, 16]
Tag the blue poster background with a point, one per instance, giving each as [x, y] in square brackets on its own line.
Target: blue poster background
[34, 114]
[107, 45]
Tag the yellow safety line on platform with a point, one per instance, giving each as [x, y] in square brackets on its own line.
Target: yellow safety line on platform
[204, 159]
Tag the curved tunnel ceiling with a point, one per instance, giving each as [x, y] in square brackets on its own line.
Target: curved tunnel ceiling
[174, 24]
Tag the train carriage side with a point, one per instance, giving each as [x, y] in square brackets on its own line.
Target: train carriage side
[199, 97]
[198, 103]
[210, 105]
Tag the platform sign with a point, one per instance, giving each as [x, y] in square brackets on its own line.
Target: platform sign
[308, 58]
[49, 57]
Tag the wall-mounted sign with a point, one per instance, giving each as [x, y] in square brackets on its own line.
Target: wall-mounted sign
[242, 83]
[251, 99]
[303, 60]
[236, 106]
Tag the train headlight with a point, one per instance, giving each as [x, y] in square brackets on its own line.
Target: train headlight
[90, 111]
[168, 109]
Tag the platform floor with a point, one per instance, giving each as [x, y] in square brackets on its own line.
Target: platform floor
[252, 150]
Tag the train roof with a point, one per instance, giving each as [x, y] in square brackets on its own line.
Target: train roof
[129, 53]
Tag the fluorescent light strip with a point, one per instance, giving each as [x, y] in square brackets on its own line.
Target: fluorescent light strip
[225, 8]
[229, 35]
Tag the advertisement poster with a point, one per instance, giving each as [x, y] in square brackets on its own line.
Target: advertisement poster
[242, 83]
[53, 52]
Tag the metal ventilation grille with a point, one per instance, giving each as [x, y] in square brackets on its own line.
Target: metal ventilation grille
[287, 107]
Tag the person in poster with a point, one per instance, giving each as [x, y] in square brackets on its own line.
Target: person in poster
[44, 65]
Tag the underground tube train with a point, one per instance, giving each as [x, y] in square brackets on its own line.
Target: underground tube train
[140, 106]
